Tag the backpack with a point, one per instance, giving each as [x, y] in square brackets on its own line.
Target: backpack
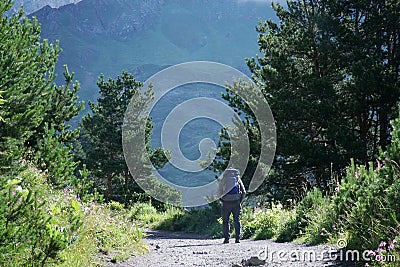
[231, 182]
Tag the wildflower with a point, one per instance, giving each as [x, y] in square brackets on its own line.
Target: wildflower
[390, 247]
[394, 241]
[379, 258]
[337, 189]
[334, 227]
[379, 165]
[382, 244]
[366, 265]
[372, 253]
[323, 229]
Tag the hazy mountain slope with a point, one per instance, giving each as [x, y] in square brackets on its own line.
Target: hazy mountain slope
[34, 5]
[108, 36]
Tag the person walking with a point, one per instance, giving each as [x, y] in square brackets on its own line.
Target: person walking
[231, 192]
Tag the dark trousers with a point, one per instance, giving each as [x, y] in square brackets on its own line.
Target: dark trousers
[229, 207]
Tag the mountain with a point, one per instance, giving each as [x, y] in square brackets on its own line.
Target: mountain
[31, 6]
[145, 36]
[108, 36]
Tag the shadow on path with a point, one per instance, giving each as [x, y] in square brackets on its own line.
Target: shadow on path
[162, 234]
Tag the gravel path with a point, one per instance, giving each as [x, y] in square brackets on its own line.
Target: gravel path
[180, 249]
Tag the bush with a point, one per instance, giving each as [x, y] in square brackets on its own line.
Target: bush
[266, 223]
[203, 220]
[364, 209]
[106, 235]
[34, 228]
[313, 217]
[144, 213]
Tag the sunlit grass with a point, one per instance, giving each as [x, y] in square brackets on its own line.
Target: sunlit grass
[106, 235]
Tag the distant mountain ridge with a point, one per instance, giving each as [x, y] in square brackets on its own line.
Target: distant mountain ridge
[115, 19]
[108, 36]
[34, 5]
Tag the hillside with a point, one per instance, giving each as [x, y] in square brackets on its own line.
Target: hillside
[107, 36]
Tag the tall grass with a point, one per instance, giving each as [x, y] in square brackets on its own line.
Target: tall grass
[106, 235]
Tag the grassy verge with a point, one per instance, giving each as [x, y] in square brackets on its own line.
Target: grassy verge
[41, 225]
[106, 235]
[257, 223]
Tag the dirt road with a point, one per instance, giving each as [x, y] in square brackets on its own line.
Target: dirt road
[179, 249]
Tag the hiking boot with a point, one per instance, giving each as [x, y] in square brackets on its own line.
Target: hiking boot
[226, 240]
[237, 241]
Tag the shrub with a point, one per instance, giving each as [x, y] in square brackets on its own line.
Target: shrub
[34, 230]
[203, 220]
[105, 235]
[144, 213]
[365, 208]
[266, 223]
[114, 205]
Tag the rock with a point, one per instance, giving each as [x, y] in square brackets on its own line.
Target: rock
[157, 246]
[253, 261]
[200, 252]
[237, 265]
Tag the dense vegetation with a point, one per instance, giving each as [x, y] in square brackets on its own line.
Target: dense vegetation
[329, 69]
[330, 72]
[49, 213]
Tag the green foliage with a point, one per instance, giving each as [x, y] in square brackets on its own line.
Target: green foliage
[1, 102]
[115, 232]
[101, 137]
[35, 110]
[330, 76]
[145, 213]
[33, 228]
[363, 210]
[203, 221]
[310, 217]
[114, 205]
[106, 235]
[56, 159]
[270, 223]
[41, 225]
[102, 130]
[32, 102]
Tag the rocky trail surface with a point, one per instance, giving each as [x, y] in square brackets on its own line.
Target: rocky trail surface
[180, 249]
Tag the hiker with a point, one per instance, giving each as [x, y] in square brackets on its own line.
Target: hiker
[232, 192]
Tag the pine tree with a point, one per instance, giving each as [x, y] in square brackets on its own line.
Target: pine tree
[33, 105]
[330, 72]
[34, 133]
[102, 135]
